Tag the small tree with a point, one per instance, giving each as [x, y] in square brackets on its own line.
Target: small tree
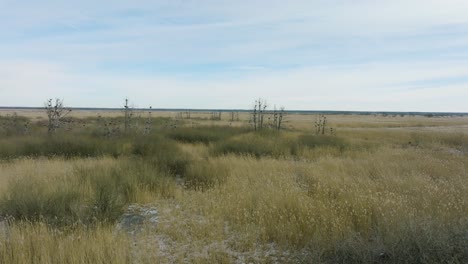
[148, 122]
[234, 116]
[262, 106]
[254, 116]
[279, 120]
[128, 115]
[55, 113]
[215, 115]
[321, 126]
[258, 113]
[274, 119]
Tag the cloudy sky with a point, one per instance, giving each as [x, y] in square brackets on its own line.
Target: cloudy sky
[382, 55]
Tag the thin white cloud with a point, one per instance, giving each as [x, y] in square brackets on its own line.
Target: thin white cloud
[368, 87]
[336, 54]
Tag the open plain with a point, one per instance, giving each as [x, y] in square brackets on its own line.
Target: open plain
[165, 187]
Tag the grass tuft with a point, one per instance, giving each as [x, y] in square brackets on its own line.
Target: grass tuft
[205, 134]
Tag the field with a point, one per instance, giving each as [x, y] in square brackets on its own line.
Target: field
[168, 189]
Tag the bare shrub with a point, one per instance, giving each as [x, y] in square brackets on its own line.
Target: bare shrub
[56, 112]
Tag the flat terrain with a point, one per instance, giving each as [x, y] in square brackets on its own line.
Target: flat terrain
[164, 188]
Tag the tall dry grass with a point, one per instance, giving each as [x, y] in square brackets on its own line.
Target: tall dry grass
[364, 196]
[38, 243]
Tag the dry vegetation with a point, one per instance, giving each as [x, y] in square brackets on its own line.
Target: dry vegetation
[382, 190]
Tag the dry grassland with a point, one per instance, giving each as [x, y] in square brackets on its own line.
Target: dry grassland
[382, 190]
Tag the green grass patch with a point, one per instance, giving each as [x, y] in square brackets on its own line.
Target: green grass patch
[205, 134]
[67, 146]
[89, 195]
[271, 144]
[33, 200]
[316, 141]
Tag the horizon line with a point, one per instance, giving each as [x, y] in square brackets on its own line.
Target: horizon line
[245, 110]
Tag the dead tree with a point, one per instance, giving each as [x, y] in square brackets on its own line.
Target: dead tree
[321, 125]
[128, 116]
[262, 105]
[258, 114]
[55, 113]
[234, 116]
[280, 118]
[254, 116]
[215, 115]
[324, 124]
[147, 130]
[277, 119]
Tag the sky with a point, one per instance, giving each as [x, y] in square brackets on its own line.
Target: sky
[357, 55]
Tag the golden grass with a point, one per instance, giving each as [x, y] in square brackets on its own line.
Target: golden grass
[391, 196]
[37, 243]
[388, 201]
[292, 121]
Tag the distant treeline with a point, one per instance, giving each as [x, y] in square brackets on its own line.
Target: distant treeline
[324, 112]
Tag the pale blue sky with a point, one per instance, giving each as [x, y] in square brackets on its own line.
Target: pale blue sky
[317, 54]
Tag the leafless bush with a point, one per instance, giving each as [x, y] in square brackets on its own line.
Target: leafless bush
[277, 119]
[258, 114]
[321, 124]
[234, 116]
[128, 116]
[56, 113]
[183, 115]
[148, 123]
[215, 115]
